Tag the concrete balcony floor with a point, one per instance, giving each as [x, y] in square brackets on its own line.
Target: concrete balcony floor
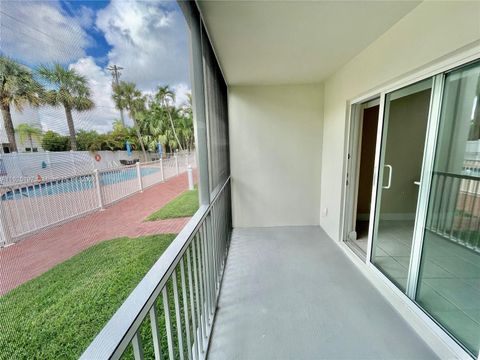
[291, 293]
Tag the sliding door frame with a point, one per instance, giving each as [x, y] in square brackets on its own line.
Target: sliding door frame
[433, 71]
[437, 72]
[425, 178]
[353, 172]
[425, 183]
[377, 175]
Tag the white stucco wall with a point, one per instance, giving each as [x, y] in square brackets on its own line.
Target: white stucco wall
[431, 31]
[276, 139]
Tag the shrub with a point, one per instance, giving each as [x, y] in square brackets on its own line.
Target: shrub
[53, 141]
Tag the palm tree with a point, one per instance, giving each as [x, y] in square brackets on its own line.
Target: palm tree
[70, 91]
[30, 133]
[127, 96]
[166, 97]
[185, 122]
[17, 88]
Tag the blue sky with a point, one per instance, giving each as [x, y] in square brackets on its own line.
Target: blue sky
[147, 38]
[99, 48]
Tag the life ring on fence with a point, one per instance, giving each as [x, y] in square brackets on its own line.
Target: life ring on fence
[39, 178]
[98, 157]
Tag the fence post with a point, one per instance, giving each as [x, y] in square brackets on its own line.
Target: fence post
[176, 164]
[99, 190]
[49, 164]
[139, 176]
[186, 160]
[17, 161]
[72, 159]
[190, 177]
[161, 170]
[5, 236]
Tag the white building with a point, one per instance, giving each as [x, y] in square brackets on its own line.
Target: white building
[29, 115]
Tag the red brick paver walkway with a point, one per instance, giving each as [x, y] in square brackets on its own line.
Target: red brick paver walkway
[40, 252]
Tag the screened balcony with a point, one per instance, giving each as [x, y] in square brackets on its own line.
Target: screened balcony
[239, 284]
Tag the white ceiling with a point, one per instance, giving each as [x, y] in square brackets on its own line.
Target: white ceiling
[282, 42]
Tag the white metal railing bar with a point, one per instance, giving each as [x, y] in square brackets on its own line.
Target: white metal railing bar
[168, 324]
[185, 309]
[455, 210]
[195, 245]
[177, 313]
[155, 333]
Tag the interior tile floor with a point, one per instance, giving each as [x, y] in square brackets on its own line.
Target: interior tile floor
[450, 288]
[291, 293]
[450, 277]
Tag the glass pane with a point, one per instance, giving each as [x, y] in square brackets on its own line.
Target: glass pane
[404, 130]
[449, 282]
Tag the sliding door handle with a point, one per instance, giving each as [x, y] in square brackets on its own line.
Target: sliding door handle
[390, 171]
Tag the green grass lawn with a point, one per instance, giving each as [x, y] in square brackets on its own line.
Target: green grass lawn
[184, 205]
[58, 314]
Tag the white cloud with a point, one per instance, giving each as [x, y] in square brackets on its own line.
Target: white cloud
[181, 92]
[104, 113]
[148, 39]
[38, 32]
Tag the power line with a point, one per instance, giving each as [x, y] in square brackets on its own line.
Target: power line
[32, 37]
[33, 28]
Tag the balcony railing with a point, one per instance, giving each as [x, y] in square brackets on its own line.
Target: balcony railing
[188, 275]
[455, 211]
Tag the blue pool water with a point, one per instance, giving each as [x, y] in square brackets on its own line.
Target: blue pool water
[79, 183]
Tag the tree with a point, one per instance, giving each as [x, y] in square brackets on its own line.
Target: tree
[89, 140]
[52, 141]
[17, 88]
[70, 91]
[127, 96]
[30, 133]
[166, 98]
[121, 134]
[153, 126]
[185, 123]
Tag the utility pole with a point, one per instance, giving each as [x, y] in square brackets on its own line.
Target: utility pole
[115, 71]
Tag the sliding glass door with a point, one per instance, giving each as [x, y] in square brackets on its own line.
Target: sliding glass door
[449, 277]
[404, 128]
[424, 224]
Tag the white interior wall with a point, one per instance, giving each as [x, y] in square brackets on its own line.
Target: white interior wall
[428, 33]
[275, 142]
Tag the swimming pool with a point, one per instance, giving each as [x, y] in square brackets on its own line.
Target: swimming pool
[74, 184]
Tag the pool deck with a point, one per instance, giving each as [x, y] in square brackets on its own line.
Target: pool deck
[35, 254]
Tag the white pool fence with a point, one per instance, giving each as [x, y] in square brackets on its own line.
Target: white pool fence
[41, 201]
